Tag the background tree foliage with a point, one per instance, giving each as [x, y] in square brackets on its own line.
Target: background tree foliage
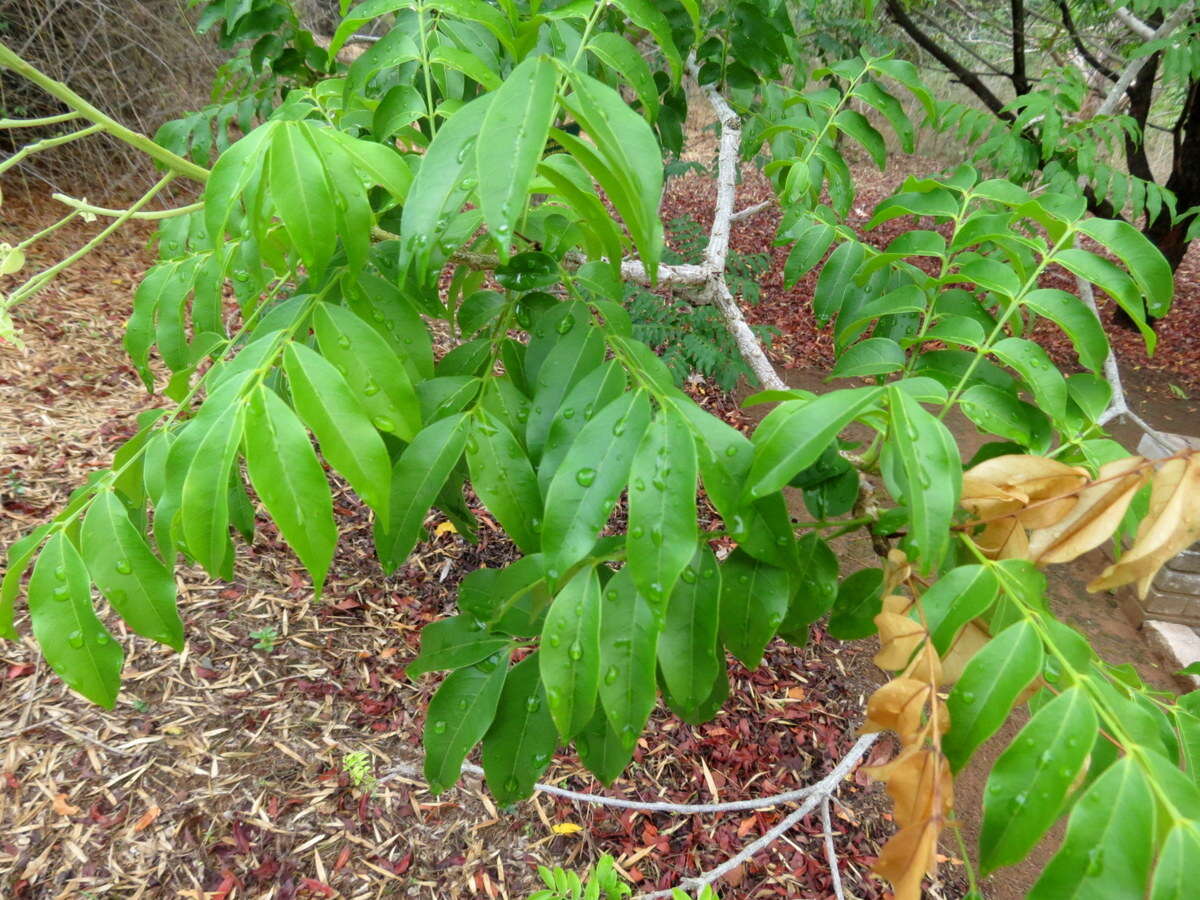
[457, 172]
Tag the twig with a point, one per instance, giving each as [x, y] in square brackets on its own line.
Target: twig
[831, 852]
[1133, 23]
[84, 206]
[1136, 65]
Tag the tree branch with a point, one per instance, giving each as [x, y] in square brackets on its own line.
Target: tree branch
[1019, 78]
[1135, 66]
[1088, 56]
[1133, 23]
[926, 43]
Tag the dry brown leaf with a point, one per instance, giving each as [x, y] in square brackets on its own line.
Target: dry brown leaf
[147, 819]
[1094, 519]
[926, 666]
[897, 706]
[918, 781]
[62, 807]
[1172, 524]
[897, 603]
[899, 637]
[1004, 539]
[907, 857]
[969, 642]
[896, 570]
[1014, 470]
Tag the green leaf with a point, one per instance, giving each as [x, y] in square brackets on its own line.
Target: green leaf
[859, 600]
[796, 433]
[629, 165]
[962, 594]
[233, 172]
[922, 468]
[504, 480]
[629, 628]
[754, 600]
[623, 58]
[996, 411]
[874, 356]
[459, 715]
[290, 482]
[372, 369]
[438, 189]
[511, 600]
[204, 501]
[20, 555]
[1028, 785]
[602, 750]
[1107, 852]
[585, 489]
[687, 646]
[646, 15]
[858, 127]
[137, 584]
[302, 195]
[1114, 282]
[990, 684]
[662, 529]
[809, 248]
[72, 639]
[417, 478]
[836, 278]
[594, 391]
[1078, 323]
[1037, 371]
[814, 586]
[578, 352]
[512, 138]
[1177, 862]
[570, 652]
[348, 440]
[520, 744]
[989, 274]
[381, 164]
[1144, 261]
[453, 643]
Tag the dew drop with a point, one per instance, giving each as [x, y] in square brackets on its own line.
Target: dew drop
[60, 573]
[533, 704]
[781, 541]
[656, 537]
[637, 532]
[523, 415]
[731, 450]
[75, 639]
[439, 727]
[568, 413]
[610, 677]
[610, 595]
[535, 524]
[472, 446]
[1095, 861]
[463, 704]
[968, 697]
[555, 640]
[343, 341]
[540, 759]
[743, 579]
[659, 484]
[123, 567]
[370, 388]
[639, 484]
[61, 592]
[585, 477]
[565, 324]
[575, 651]
[102, 638]
[511, 786]
[383, 423]
[618, 428]
[552, 574]
[688, 575]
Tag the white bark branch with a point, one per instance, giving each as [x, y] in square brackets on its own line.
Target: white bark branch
[1117, 91]
[1133, 23]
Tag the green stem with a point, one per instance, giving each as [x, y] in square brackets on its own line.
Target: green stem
[30, 149]
[148, 215]
[37, 282]
[39, 122]
[977, 358]
[429, 107]
[48, 230]
[177, 164]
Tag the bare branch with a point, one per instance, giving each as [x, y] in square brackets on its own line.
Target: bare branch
[1133, 23]
[1090, 58]
[1135, 66]
[1019, 79]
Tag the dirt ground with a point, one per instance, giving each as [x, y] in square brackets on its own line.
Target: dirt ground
[220, 773]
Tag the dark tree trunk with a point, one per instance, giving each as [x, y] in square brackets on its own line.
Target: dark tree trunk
[1184, 181]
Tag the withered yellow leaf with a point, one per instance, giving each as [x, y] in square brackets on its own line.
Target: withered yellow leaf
[969, 642]
[907, 857]
[1004, 539]
[1094, 518]
[918, 781]
[897, 706]
[1014, 470]
[62, 807]
[566, 828]
[1172, 524]
[899, 637]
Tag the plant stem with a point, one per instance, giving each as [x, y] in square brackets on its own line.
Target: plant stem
[37, 282]
[30, 149]
[150, 215]
[177, 164]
